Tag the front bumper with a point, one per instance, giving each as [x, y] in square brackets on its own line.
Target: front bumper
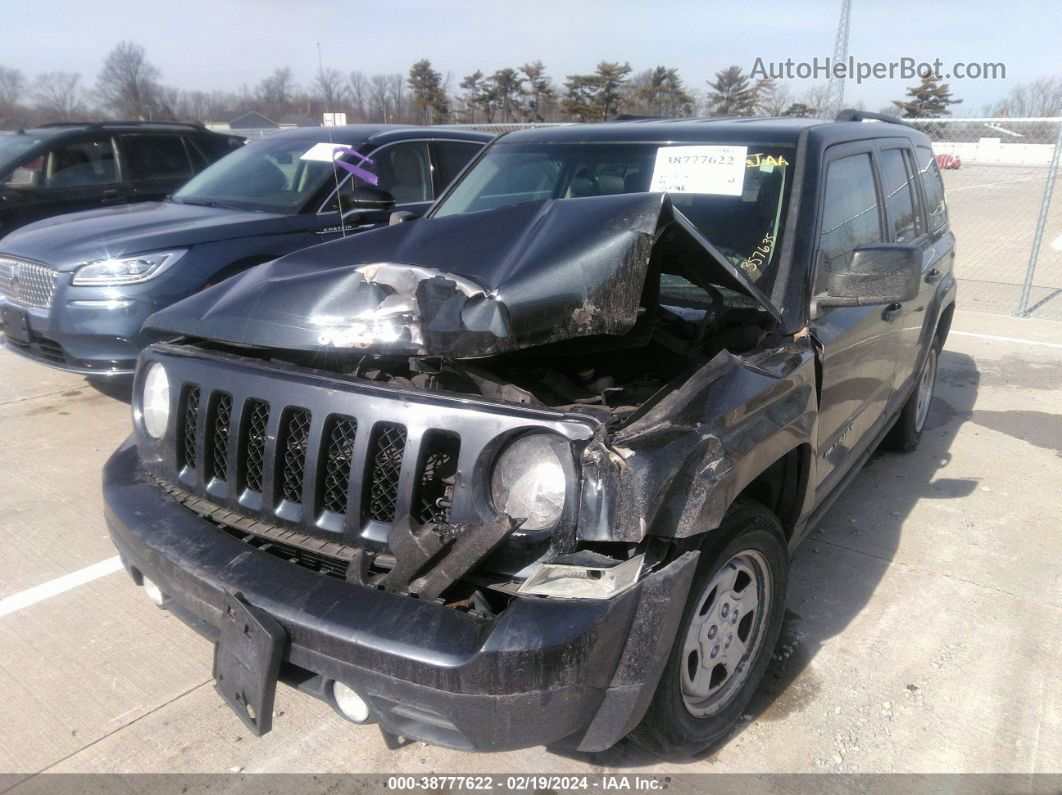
[95, 336]
[573, 673]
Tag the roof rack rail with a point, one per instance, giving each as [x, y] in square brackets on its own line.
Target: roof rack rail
[851, 114]
[120, 123]
[640, 117]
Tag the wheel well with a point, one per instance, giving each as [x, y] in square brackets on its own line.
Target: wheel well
[781, 486]
[944, 324]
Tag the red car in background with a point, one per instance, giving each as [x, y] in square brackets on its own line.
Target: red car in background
[948, 161]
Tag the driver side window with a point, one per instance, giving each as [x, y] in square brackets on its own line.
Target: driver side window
[401, 169]
[851, 216]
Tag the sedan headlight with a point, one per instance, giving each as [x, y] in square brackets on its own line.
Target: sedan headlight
[530, 480]
[155, 402]
[126, 270]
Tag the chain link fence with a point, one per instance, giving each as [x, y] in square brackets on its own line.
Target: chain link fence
[999, 176]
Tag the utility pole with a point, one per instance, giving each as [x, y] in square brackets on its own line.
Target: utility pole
[835, 92]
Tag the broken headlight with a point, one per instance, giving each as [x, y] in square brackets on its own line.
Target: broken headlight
[530, 480]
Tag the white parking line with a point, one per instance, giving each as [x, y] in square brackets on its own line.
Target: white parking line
[990, 184]
[1008, 339]
[38, 593]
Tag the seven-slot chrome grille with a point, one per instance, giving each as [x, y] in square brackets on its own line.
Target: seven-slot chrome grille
[327, 456]
[26, 283]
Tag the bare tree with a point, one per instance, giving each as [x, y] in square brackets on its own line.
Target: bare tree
[381, 107]
[57, 96]
[11, 87]
[359, 95]
[330, 89]
[128, 84]
[1042, 97]
[815, 99]
[772, 98]
[276, 93]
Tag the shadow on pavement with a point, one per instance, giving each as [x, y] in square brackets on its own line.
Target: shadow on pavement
[119, 387]
[789, 685]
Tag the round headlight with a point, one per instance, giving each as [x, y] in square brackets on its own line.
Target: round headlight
[155, 404]
[529, 480]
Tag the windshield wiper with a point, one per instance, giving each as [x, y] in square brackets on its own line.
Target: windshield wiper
[205, 203]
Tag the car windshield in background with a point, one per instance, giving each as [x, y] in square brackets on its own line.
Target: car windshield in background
[268, 175]
[12, 146]
[740, 209]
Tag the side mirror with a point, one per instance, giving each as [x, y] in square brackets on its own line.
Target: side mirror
[366, 198]
[400, 217]
[882, 273]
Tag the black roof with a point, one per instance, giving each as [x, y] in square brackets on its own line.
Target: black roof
[58, 128]
[382, 133]
[758, 129]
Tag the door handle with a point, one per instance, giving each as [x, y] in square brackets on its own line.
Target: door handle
[934, 276]
[111, 196]
[890, 312]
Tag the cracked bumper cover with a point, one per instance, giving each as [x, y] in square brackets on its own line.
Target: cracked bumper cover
[573, 673]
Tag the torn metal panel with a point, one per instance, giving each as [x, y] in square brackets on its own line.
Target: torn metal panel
[676, 469]
[463, 286]
[431, 558]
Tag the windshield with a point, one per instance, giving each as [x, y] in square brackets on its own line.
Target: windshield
[12, 146]
[735, 194]
[267, 175]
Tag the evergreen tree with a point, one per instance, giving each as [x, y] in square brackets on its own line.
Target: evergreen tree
[429, 99]
[731, 94]
[540, 97]
[660, 92]
[928, 98]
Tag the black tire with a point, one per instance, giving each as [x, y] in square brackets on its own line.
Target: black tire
[670, 729]
[907, 432]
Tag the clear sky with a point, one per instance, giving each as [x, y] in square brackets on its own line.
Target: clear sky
[223, 44]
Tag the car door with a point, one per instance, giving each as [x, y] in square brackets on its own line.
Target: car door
[403, 169]
[76, 174]
[906, 223]
[857, 345]
[154, 163]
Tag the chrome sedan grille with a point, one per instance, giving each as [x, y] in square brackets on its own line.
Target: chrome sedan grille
[26, 283]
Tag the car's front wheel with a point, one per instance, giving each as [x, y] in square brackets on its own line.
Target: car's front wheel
[907, 432]
[726, 638]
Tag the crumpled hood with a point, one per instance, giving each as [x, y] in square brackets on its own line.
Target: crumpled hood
[66, 241]
[460, 286]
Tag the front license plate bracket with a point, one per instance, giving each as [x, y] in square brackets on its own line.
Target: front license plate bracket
[247, 661]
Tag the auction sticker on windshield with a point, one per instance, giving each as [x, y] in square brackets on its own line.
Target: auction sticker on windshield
[717, 170]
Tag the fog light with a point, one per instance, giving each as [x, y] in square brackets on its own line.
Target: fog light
[350, 703]
[154, 593]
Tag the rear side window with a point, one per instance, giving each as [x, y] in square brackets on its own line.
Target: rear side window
[78, 164]
[933, 187]
[900, 203]
[155, 157]
[851, 216]
[450, 157]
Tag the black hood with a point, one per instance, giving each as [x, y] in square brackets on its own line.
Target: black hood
[463, 286]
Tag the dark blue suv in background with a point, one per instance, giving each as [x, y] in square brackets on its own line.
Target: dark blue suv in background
[75, 290]
[63, 168]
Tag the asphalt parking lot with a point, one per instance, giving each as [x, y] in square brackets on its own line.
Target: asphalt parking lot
[923, 634]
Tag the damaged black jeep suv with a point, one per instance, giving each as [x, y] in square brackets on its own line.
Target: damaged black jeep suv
[528, 470]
